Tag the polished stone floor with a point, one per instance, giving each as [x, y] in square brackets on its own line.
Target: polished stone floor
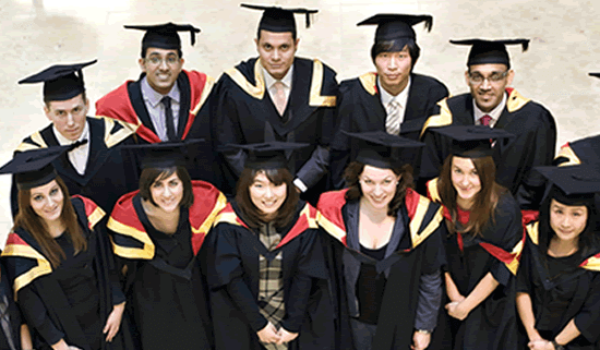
[564, 47]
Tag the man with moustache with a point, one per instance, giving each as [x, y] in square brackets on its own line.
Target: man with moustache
[493, 103]
[278, 97]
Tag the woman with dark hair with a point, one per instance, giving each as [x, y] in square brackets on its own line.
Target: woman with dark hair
[266, 269]
[59, 260]
[558, 286]
[483, 245]
[385, 249]
[158, 233]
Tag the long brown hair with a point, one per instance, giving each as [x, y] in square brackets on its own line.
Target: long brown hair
[251, 214]
[28, 220]
[353, 171]
[485, 200]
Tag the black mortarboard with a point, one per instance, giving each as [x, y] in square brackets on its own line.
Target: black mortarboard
[597, 75]
[383, 150]
[165, 36]
[269, 155]
[397, 28]
[61, 82]
[574, 185]
[278, 20]
[473, 141]
[490, 51]
[163, 155]
[34, 168]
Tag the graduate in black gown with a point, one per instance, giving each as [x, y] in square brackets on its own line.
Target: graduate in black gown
[94, 167]
[492, 102]
[278, 97]
[385, 250]
[392, 99]
[558, 288]
[158, 232]
[59, 260]
[483, 245]
[266, 268]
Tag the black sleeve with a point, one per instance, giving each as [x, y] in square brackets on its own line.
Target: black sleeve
[243, 298]
[524, 272]
[226, 125]
[36, 314]
[507, 233]
[588, 319]
[340, 148]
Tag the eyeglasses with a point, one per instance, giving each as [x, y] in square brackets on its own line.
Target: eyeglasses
[156, 61]
[476, 78]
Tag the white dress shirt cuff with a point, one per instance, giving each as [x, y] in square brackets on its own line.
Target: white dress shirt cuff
[300, 185]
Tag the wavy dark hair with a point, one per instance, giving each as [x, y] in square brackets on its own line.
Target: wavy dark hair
[353, 171]
[251, 215]
[486, 200]
[28, 220]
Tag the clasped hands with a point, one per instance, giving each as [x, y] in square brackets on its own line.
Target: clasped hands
[270, 334]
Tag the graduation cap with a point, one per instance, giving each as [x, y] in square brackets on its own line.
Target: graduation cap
[382, 150]
[163, 155]
[268, 155]
[278, 20]
[597, 75]
[165, 36]
[574, 185]
[473, 141]
[397, 28]
[490, 51]
[61, 82]
[34, 168]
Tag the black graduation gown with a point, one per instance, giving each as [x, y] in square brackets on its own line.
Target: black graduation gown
[493, 323]
[533, 145]
[105, 179]
[583, 151]
[245, 114]
[40, 292]
[233, 267]
[556, 300]
[10, 322]
[359, 110]
[418, 252]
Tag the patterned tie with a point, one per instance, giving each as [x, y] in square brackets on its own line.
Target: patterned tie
[280, 101]
[485, 120]
[392, 121]
[171, 135]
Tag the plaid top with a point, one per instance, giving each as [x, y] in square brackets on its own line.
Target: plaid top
[270, 290]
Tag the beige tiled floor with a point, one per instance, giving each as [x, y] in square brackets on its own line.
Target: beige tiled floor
[38, 33]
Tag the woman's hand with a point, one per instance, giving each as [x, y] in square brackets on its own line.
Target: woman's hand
[62, 345]
[458, 310]
[285, 336]
[113, 322]
[420, 340]
[540, 344]
[268, 334]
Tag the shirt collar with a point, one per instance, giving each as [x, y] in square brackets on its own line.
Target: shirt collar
[494, 113]
[153, 98]
[63, 141]
[386, 97]
[287, 79]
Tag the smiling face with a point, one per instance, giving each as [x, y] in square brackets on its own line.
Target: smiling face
[393, 70]
[162, 67]
[378, 186]
[267, 196]
[567, 221]
[488, 83]
[276, 51]
[68, 117]
[47, 201]
[167, 193]
[465, 180]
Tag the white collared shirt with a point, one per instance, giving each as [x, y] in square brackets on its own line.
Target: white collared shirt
[79, 156]
[286, 81]
[494, 113]
[401, 98]
[156, 110]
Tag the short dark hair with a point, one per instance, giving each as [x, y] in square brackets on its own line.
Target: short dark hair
[47, 100]
[145, 48]
[390, 45]
[151, 175]
[251, 214]
[354, 170]
[294, 34]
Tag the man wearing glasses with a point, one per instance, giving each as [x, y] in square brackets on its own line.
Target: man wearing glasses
[167, 103]
[492, 103]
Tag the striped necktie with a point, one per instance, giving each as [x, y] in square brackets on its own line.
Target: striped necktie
[392, 121]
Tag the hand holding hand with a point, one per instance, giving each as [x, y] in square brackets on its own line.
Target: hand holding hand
[268, 334]
[540, 344]
[420, 340]
[285, 336]
[457, 310]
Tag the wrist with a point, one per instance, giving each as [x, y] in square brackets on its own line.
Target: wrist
[423, 331]
[556, 345]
